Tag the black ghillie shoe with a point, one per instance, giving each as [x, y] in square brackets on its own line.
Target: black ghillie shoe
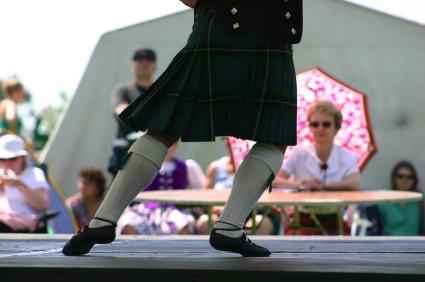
[241, 245]
[86, 238]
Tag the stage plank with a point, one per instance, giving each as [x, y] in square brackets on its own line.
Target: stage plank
[189, 258]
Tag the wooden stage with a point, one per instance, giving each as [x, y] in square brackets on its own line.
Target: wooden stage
[189, 258]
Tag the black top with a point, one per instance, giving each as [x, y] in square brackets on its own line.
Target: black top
[280, 20]
[125, 93]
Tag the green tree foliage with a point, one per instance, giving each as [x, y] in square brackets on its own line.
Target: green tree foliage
[47, 120]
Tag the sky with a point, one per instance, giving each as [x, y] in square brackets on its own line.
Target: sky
[47, 43]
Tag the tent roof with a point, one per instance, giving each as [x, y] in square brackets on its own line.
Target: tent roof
[359, 5]
[381, 55]
[388, 13]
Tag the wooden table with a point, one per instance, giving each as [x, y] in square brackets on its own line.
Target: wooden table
[340, 199]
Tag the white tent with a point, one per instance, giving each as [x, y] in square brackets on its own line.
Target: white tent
[378, 54]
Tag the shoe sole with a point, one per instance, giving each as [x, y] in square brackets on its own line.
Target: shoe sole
[236, 252]
[79, 251]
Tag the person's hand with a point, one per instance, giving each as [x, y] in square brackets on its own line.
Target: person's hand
[190, 3]
[217, 210]
[311, 183]
[120, 108]
[11, 181]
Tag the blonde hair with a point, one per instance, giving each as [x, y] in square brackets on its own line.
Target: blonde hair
[327, 108]
[10, 86]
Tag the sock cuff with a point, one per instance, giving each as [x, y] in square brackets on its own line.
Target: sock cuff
[149, 148]
[269, 154]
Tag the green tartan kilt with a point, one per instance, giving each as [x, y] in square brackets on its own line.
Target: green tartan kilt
[219, 85]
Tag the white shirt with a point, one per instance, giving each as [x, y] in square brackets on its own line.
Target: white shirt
[222, 178]
[304, 162]
[13, 200]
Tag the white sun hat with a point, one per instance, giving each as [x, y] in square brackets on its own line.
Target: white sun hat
[12, 146]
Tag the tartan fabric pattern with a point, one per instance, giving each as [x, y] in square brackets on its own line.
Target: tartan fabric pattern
[219, 85]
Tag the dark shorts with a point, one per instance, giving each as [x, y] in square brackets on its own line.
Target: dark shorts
[117, 157]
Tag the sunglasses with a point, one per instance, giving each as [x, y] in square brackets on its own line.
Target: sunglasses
[10, 159]
[404, 176]
[316, 124]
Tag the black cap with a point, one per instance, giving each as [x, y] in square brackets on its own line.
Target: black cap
[144, 53]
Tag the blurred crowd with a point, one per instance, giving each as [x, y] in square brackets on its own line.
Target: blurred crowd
[321, 166]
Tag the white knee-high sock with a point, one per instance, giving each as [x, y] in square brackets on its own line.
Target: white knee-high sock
[251, 179]
[146, 158]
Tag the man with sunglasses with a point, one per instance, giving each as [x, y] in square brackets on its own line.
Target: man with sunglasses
[321, 166]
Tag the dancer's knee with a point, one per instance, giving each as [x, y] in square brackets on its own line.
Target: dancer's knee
[167, 141]
[281, 147]
[149, 148]
[271, 155]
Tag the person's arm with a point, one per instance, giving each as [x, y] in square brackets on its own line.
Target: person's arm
[11, 116]
[119, 101]
[195, 175]
[121, 107]
[283, 179]
[68, 203]
[351, 182]
[210, 179]
[190, 3]
[37, 198]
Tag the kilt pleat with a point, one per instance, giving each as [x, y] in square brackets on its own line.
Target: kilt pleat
[219, 85]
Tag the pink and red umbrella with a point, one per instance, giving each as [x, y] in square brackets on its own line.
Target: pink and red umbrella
[356, 132]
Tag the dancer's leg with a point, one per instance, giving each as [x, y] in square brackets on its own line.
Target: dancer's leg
[146, 156]
[251, 179]
[256, 171]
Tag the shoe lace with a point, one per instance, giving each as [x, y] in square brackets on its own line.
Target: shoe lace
[235, 227]
[81, 231]
[250, 244]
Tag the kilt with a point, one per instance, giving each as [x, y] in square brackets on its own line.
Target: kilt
[222, 85]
